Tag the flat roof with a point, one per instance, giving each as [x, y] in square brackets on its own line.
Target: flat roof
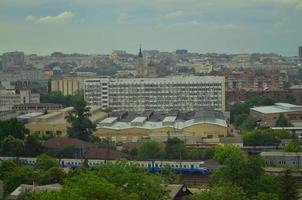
[109, 120]
[278, 108]
[139, 119]
[30, 115]
[170, 119]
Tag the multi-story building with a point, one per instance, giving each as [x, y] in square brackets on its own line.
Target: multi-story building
[69, 84]
[157, 94]
[9, 98]
[12, 60]
[251, 81]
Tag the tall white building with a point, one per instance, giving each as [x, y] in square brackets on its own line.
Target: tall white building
[157, 94]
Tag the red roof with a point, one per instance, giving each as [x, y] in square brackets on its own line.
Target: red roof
[57, 143]
[104, 154]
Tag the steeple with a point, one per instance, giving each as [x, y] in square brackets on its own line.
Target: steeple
[140, 51]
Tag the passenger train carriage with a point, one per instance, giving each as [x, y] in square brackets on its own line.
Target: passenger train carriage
[185, 167]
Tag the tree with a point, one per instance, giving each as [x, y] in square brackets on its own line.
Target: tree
[133, 179]
[247, 125]
[45, 162]
[59, 98]
[221, 192]
[33, 146]
[81, 126]
[175, 149]
[222, 153]
[150, 150]
[12, 127]
[67, 151]
[260, 138]
[12, 146]
[289, 187]
[237, 168]
[283, 121]
[293, 147]
[87, 186]
[265, 196]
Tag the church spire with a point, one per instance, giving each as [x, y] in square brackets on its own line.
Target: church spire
[140, 51]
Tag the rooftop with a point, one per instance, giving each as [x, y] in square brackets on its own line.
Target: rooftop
[278, 108]
[280, 153]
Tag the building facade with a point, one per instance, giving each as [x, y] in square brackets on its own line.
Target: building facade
[12, 60]
[156, 94]
[267, 116]
[9, 98]
[69, 84]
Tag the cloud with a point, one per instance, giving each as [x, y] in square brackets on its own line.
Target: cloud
[231, 26]
[173, 15]
[62, 18]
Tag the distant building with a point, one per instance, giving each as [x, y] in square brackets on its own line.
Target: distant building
[36, 107]
[69, 84]
[54, 123]
[141, 72]
[267, 116]
[12, 60]
[282, 159]
[158, 94]
[181, 51]
[9, 98]
[300, 52]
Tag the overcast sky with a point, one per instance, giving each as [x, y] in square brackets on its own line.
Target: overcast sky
[99, 26]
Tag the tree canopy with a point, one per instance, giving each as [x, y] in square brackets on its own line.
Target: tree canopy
[150, 150]
[81, 126]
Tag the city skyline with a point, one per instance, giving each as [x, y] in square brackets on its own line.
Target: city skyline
[98, 27]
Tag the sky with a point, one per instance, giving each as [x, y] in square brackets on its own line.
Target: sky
[100, 26]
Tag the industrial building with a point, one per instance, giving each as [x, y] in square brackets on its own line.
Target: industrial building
[267, 116]
[191, 127]
[55, 123]
[158, 94]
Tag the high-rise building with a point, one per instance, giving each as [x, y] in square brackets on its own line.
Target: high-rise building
[300, 52]
[12, 60]
[157, 94]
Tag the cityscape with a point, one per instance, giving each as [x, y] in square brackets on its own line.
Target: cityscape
[162, 116]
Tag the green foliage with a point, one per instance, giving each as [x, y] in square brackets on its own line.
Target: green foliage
[81, 125]
[283, 122]
[247, 125]
[45, 162]
[67, 151]
[12, 127]
[59, 98]
[260, 137]
[33, 146]
[150, 150]
[223, 153]
[293, 147]
[221, 192]
[289, 187]
[175, 149]
[16, 176]
[169, 177]
[133, 179]
[265, 196]
[240, 108]
[52, 175]
[12, 146]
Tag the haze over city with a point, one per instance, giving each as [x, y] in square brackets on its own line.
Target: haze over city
[95, 27]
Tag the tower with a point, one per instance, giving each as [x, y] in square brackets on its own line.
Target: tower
[140, 67]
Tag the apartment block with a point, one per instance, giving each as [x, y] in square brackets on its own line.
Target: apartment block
[8, 98]
[157, 94]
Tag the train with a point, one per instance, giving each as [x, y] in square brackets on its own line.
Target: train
[154, 166]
